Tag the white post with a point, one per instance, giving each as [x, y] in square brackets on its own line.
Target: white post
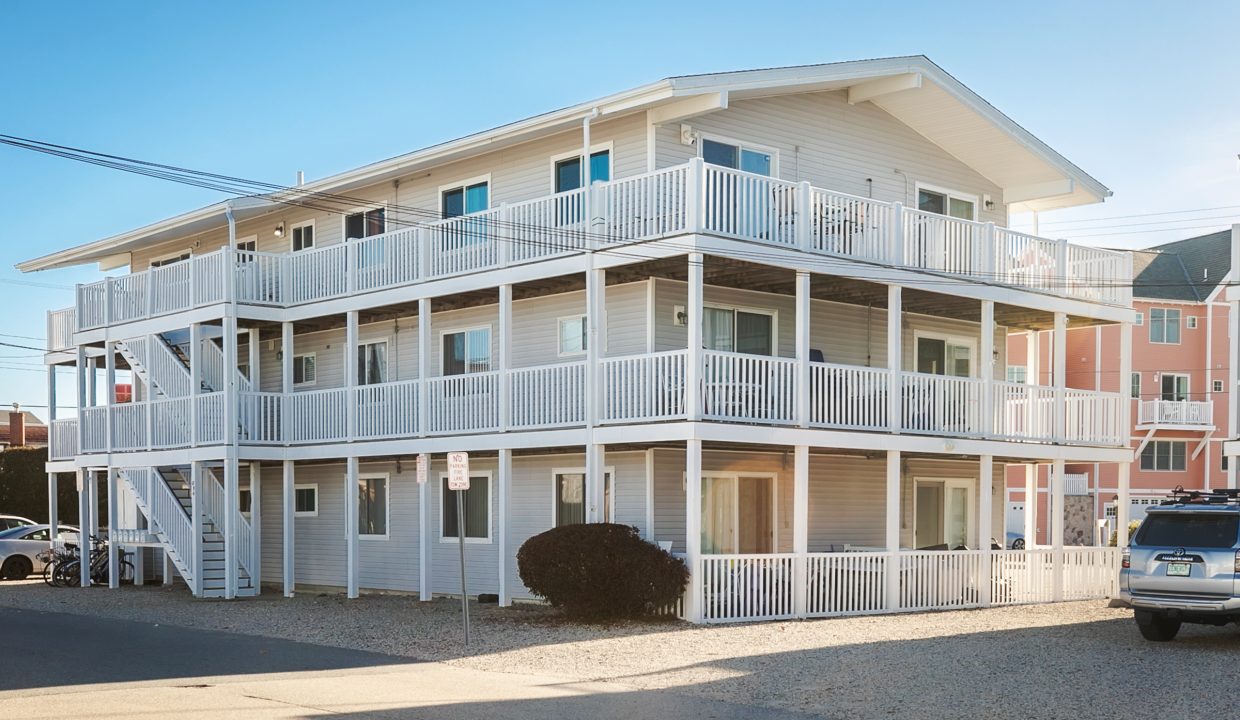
[989, 424]
[1031, 505]
[114, 574]
[424, 365]
[195, 380]
[595, 290]
[1060, 365]
[501, 525]
[84, 480]
[195, 511]
[650, 536]
[94, 505]
[1057, 521]
[110, 390]
[693, 529]
[168, 570]
[893, 530]
[505, 356]
[804, 217]
[256, 525]
[350, 375]
[53, 508]
[803, 400]
[895, 357]
[985, 522]
[255, 337]
[289, 528]
[800, 528]
[80, 369]
[350, 525]
[232, 493]
[1123, 505]
[693, 361]
[288, 348]
[424, 538]
[595, 482]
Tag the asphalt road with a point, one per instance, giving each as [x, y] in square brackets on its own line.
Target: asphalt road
[55, 665]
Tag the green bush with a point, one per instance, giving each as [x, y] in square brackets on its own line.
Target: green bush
[1132, 530]
[601, 571]
[23, 486]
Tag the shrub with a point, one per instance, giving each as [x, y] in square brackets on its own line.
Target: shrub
[601, 571]
[1132, 530]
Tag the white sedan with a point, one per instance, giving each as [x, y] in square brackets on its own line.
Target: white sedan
[20, 548]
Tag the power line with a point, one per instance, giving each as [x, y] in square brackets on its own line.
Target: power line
[23, 337]
[1139, 215]
[1140, 232]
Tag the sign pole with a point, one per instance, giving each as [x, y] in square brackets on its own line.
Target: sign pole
[460, 541]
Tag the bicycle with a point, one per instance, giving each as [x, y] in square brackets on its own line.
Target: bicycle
[52, 558]
[68, 574]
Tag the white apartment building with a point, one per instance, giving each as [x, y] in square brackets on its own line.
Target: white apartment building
[760, 315]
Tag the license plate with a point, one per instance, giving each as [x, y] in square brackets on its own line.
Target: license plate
[1179, 569]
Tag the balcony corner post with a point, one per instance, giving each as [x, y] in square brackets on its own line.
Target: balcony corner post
[896, 242]
[505, 357]
[694, 356]
[506, 233]
[892, 535]
[985, 524]
[1061, 266]
[800, 530]
[804, 400]
[350, 265]
[695, 196]
[990, 254]
[804, 216]
[107, 301]
[895, 359]
[989, 422]
[424, 364]
[351, 371]
[423, 235]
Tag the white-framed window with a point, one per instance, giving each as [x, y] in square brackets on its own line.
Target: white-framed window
[566, 168]
[477, 509]
[571, 331]
[373, 508]
[465, 198]
[740, 512]
[372, 362]
[1165, 326]
[306, 500]
[744, 330]
[302, 236]
[364, 223]
[1175, 386]
[1218, 386]
[1190, 322]
[944, 512]
[1140, 319]
[248, 243]
[569, 489]
[1164, 456]
[1017, 373]
[172, 259]
[944, 354]
[942, 201]
[1223, 463]
[748, 157]
[304, 369]
[1135, 385]
[465, 351]
[244, 501]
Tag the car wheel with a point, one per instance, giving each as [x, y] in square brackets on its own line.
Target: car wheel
[1156, 627]
[1018, 544]
[17, 567]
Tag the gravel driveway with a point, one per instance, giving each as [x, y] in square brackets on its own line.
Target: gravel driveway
[1071, 660]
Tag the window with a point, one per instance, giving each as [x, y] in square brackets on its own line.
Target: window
[739, 513]
[303, 236]
[742, 331]
[943, 513]
[938, 355]
[1174, 387]
[738, 157]
[1190, 322]
[1218, 386]
[365, 223]
[372, 363]
[1163, 455]
[467, 351]
[568, 170]
[570, 495]
[244, 500]
[303, 369]
[1017, 373]
[1223, 464]
[1136, 385]
[170, 260]
[372, 505]
[305, 500]
[1140, 319]
[946, 202]
[249, 244]
[1165, 326]
[465, 200]
[1194, 530]
[572, 332]
[477, 510]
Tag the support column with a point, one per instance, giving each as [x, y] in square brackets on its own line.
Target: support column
[350, 374]
[84, 480]
[256, 525]
[800, 527]
[289, 525]
[109, 396]
[195, 380]
[501, 525]
[254, 337]
[693, 528]
[79, 370]
[596, 292]
[989, 421]
[169, 571]
[288, 349]
[895, 357]
[893, 530]
[424, 537]
[1123, 505]
[804, 400]
[1057, 520]
[650, 535]
[595, 483]
[350, 526]
[985, 524]
[505, 356]
[114, 570]
[1031, 505]
[693, 361]
[195, 513]
[231, 495]
[53, 508]
[94, 504]
[231, 467]
[424, 365]
[1060, 365]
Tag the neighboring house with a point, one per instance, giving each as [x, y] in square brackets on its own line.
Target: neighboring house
[1177, 382]
[706, 307]
[22, 429]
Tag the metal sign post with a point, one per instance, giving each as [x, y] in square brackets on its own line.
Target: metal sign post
[458, 481]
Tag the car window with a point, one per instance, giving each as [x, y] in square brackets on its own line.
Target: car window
[38, 535]
[1189, 530]
[8, 530]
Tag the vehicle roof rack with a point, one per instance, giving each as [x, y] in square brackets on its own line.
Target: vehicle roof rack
[1220, 496]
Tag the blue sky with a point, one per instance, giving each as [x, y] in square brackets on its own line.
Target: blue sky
[1142, 98]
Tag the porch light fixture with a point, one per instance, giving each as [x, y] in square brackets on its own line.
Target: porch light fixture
[280, 230]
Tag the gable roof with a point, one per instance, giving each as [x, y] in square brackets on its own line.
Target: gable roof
[1188, 270]
[913, 89]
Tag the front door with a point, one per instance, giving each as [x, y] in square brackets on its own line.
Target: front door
[738, 514]
[944, 514]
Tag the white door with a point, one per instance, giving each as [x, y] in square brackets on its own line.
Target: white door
[944, 513]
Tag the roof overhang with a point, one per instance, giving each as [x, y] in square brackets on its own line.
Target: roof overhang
[913, 89]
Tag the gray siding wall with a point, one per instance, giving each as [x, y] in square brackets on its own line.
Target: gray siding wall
[819, 137]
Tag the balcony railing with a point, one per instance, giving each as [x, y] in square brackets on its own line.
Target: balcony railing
[1177, 412]
[63, 439]
[689, 198]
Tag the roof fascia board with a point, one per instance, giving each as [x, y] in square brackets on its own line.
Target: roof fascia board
[691, 106]
[883, 86]
[1038, 191]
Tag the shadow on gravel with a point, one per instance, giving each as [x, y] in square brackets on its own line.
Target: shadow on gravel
[47, 649]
